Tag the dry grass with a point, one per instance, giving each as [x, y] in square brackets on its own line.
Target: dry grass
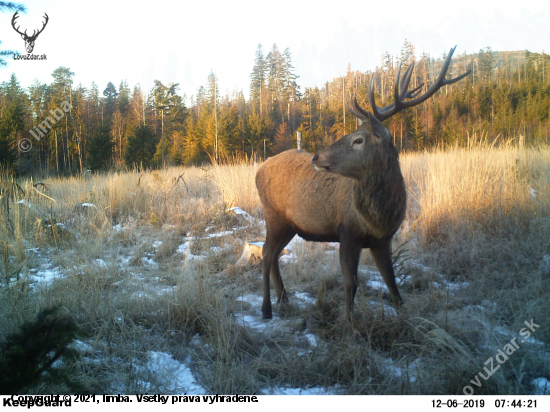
[477, 234]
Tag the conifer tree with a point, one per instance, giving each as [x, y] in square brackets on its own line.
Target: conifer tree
[100, 149]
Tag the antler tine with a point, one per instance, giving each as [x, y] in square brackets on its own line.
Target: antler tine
[363, 112]
[15, 16]
[371, 98]
[406, 79]
[409, 94]
[43, 25]
[414, 92]
[351, 107]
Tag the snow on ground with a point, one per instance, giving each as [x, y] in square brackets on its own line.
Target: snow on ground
[161, 371]
[246, 216]
[44, 277]
[388, 310]
[304, 299]
[542, 386]
[317, 390]
[168, 375]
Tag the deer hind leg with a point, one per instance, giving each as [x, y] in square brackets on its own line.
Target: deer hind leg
[382, 258]
[276, 235]
[275, 272]
[350, 252]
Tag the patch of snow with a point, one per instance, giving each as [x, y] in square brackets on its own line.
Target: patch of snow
[295, 243]
[245, 215]
[186, 251]
[534, 193]
[88, 205]
[45, 277]
[290, 258]
[157, 243]
[376, 284]
[101, 263]
[311, 339]
[388, 310]
[252, 299]
[148, 261]
[25, 202]
[542, 386]
[456, 285]
[317, 390]
[253, 323]
[398, 371]
[545, 263]
[124, 260]
[182, 249]
[195, 257]
[170, 375]
[305, 299]
[228, 232]
[61, 225]
[82, 346]
[531, 340]
[501, 330]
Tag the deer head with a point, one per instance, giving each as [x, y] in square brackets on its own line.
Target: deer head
[350, 156]
[29, 40]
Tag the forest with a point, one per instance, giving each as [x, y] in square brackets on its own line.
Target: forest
[64, 128]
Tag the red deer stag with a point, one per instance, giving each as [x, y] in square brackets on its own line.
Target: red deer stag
[352, 192]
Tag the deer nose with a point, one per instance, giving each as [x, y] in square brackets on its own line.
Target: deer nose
[314, 159]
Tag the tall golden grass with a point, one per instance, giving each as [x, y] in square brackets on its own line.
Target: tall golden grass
[481, 187]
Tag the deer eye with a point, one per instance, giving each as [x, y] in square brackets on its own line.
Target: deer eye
[359, 140]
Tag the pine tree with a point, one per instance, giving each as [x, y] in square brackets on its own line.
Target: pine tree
[111, 101]
[12, 120]
[27, 356]
[141, 147]
[100, 149]
[164, 101]
[258, 80]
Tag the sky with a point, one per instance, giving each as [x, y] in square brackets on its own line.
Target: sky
[183, 41]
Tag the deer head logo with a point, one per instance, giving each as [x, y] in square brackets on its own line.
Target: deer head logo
[29, 40]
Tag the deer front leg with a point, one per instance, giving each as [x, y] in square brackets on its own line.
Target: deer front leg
[350, 252]
[382, 258]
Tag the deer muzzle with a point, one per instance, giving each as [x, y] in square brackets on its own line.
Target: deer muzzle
[320, 164]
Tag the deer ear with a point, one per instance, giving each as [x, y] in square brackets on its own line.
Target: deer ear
[378, 130]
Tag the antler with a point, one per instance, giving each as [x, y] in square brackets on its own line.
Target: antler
[34, 34]
[13, 24]
[44, 25]
[401, 93]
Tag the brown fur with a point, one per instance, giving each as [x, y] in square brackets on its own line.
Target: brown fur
[360, 203]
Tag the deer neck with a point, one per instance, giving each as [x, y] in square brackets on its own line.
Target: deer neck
[379, 199]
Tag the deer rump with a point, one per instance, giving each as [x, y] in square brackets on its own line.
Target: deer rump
[351, 192]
